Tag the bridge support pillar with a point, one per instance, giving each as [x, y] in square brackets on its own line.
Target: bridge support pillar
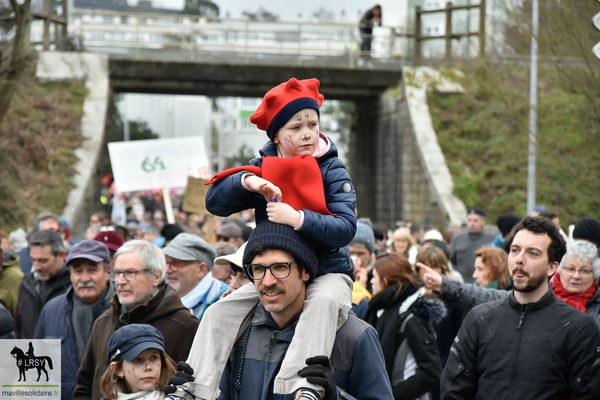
[386, 167]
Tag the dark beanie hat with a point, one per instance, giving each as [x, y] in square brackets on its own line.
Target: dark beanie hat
[170, 231]
[506, 222]
[272, 236]
[587, 228]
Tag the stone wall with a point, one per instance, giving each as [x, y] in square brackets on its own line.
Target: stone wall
[83, 199]
[397, 166]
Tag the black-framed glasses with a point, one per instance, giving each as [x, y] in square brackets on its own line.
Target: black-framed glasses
[129, 274]
[279, 270]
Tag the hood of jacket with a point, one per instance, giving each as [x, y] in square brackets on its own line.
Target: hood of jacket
[10, 261]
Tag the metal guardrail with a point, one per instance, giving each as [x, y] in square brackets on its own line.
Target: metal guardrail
[133, 33]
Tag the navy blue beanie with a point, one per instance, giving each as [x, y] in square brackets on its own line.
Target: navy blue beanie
[288, 112]
[271, 236]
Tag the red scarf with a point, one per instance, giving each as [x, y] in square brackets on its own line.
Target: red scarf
[299, 179]
[577, 300]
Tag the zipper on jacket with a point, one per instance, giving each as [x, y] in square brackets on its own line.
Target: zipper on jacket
[521, 320]
[518, 345]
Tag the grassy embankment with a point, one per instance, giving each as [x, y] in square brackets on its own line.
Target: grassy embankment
[484, 136]
[38, 138]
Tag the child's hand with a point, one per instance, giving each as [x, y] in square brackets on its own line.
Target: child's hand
[283, 213]
[263, 187]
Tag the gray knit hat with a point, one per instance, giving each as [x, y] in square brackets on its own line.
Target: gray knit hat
[364, 234]
[186, 247]
[272, 236]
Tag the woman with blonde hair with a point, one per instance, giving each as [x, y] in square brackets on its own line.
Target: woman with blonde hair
[401, 242]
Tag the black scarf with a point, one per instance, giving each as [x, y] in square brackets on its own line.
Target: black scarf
[388, 324]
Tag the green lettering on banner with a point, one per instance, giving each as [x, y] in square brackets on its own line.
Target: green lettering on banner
[150, 166]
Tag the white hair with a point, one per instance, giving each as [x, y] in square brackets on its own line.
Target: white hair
[149, 255]
[585, 252]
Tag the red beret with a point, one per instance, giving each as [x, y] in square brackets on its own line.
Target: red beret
[282, 95]
[112, 239]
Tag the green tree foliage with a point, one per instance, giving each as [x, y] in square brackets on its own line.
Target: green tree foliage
[483, 134]
[242, 157]
[260, 15]
[201, 7]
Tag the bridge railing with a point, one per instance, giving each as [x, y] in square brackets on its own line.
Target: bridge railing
[135, 34]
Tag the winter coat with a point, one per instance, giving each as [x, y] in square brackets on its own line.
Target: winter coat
[356, 359]
[462, 252]
[405, 324]
[507, 350]
[6, 324]
[10, 280]
[468, 296]
[164, 311]
[30, 303]
[56, 322]
[330, 233]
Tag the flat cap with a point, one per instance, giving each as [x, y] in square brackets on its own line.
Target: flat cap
[186, 247]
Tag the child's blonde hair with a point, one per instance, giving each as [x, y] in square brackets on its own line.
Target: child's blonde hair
[111, 381]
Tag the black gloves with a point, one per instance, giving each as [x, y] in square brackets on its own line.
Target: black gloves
[183, 375]
[320, 372]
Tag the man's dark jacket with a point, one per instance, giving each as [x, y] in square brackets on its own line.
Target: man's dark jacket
[506, 350]
[31, 303]
[164, 311]
[56, 322]
[356, 359]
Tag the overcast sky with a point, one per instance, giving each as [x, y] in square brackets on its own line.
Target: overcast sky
[287, 10]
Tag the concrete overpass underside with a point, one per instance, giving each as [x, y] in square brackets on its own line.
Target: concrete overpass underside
[254, 80]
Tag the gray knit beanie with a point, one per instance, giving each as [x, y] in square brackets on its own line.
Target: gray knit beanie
[272, 236]
[364, 234]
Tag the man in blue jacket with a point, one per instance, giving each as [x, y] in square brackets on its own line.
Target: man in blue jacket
[281, 263]
[70, 316]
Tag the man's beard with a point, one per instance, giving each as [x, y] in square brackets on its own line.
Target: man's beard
[533, 282]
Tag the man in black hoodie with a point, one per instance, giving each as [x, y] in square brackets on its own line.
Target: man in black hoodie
[49, 279]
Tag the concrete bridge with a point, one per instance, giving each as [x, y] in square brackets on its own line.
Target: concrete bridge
[180, 55]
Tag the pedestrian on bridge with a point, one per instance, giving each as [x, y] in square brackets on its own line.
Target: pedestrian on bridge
[370, 18]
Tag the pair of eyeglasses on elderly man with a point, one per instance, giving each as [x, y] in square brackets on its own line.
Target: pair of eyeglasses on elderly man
[279, 270]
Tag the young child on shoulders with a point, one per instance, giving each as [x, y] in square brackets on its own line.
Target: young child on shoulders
[139, 366]
[306, 186]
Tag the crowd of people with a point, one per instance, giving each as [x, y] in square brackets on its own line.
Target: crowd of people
[284, 293]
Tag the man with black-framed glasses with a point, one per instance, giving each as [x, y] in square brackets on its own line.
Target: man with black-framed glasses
[189, 261]
[142, 297]
[281, 264]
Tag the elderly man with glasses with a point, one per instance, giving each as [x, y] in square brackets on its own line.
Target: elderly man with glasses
[142, 297]
[189, 263]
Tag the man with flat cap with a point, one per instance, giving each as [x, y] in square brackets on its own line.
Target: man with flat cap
[70, 316]
[189, 261]
[464, 245]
